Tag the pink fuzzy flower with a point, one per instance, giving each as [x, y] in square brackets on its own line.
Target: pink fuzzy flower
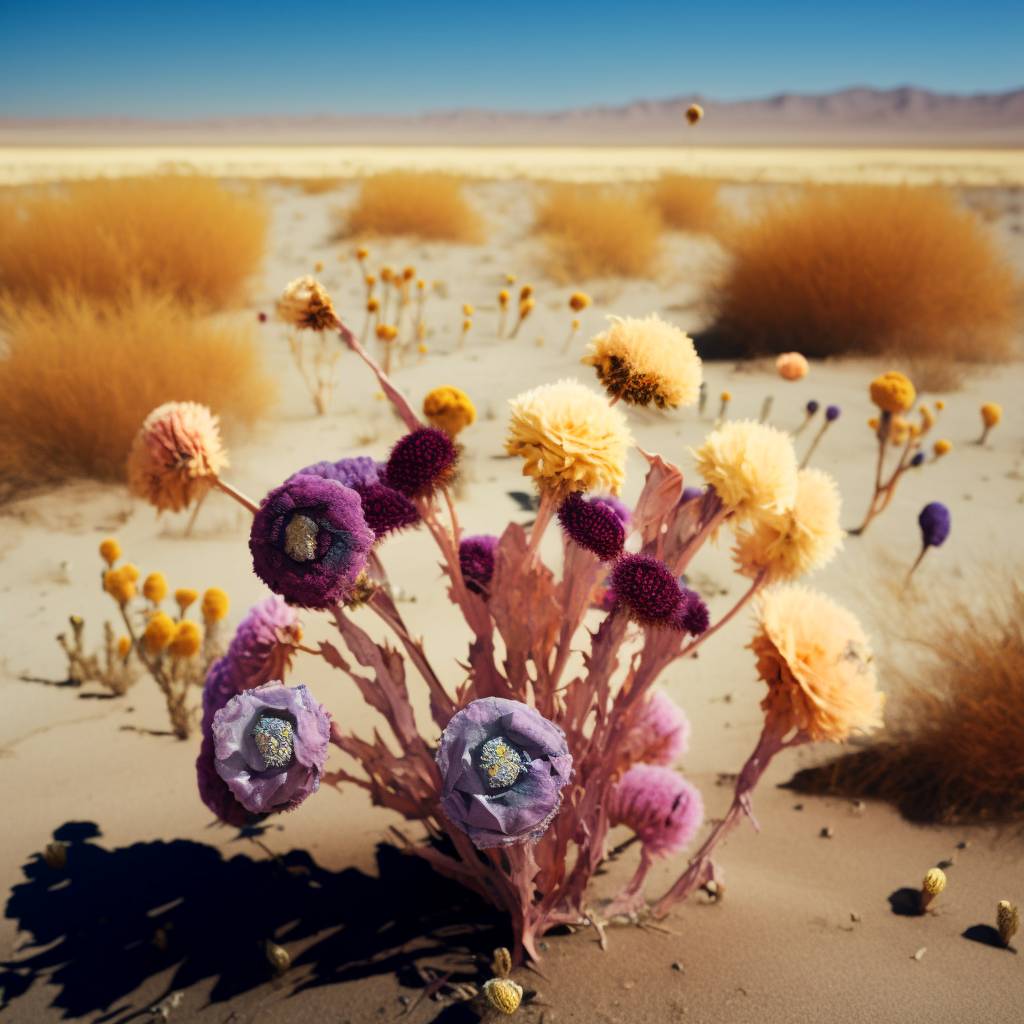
[659, 805]
[661, 731]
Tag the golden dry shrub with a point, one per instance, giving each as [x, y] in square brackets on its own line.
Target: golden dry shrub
[687, 203]
[593, 231]
[428, 206]
[865, 269]
[77, 379]
[953, 750]
[182, 235]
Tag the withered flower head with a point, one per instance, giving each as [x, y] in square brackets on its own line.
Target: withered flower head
[306, 304]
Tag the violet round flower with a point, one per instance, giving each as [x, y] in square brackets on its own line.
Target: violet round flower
[646, 587]
[502, 766]
[833, 412]
[917, 460]
[264, 643]
[592, 524]
[310, 541]
[476, 559]
[359, 471]
[420, 461]
[659, 805]
[692, 613]
[270, 746]
[935, 523]
[661, 731]
[222, 683]
[812, 407]
[619, 507]
[691, 494]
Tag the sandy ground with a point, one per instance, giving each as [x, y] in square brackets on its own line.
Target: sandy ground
[156, 899]
[915, 166]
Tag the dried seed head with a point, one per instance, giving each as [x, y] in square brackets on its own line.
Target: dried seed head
[1007, 921]
[501, 965]
[56, 856]
[503, 994]
[694, 112]
[934, 882]
[278, 957]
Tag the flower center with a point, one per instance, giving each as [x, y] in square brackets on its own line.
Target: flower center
[502, 762]
[273, 739]
[300, 538]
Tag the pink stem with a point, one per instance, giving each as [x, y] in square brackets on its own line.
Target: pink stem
[237, 495]
[759, 581]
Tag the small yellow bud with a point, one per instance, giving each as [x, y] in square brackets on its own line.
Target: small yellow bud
[503, 994]
[119, 585]
[379, 396]
[503, 298]
[130, 572]
[155, 587]
[726, 396]
[526, 307]
[991, 413]
[216, 604]
[187, 639]
[575, 325]
[501, 965]
[927, 419]
[940, 405]
[449, 409]
[387, 332]
[421, 285]
[942, 447]
[579, 301]
[467, 309]
[934, 882]
[185, 596]
[386, 274]
[55, 855]
[510, 279]
[892, 392]
[158, 633]
[124, 646]
[409, 273]
[422, 349]
[525, 292]
[466, 324]
[370, 280]
[1007, 921]
[362, 253]
[110, 551]
[372, 305]
[873, 423]
[319, 266]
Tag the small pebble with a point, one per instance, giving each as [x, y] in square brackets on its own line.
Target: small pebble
[826, 833]
[921, 952]
[963, 845]
[543, 946]
[855, 917]
[627, 985]
[859, 806]
[677, 966]
[798, 807]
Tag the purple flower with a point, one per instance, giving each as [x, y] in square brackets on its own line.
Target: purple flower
[260, 650]
[309, 541]
[659, 805]
[360, 471]
[646, 587]
[833, 412]
[661, 731]
[502, 766]
[935, 522]
[270, 746]
[917, 460]
[222, 683]
[421, 461]
[476, 559]
[262, 317]
[691, 494]
[812, 407]
[619, 507]
[592, 524]
[692, 612]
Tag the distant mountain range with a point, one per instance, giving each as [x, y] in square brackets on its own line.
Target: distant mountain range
[851, 117]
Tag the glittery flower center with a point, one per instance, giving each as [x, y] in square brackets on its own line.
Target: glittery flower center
[300, 537]
[502, 762]
[273, 739]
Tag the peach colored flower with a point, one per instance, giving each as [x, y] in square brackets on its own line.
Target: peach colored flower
[791, 366]
[305, 303]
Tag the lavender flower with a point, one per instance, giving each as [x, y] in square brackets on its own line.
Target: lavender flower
[260, 649]
[833, 412]
[691, 613]
[360, 471]
[812, 407]
[935, 522]
[593, 524]
[270, 746]
[659, 805]
[502, 768]
[222, 683]
[421, 461]
[476, 559]
[660, 733]
[309, 541]
[646, 587]
[619, 507]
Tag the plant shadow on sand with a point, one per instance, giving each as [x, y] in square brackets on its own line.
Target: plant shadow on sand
[111, 919]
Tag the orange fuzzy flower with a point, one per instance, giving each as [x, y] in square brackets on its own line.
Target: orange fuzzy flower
[791, 366]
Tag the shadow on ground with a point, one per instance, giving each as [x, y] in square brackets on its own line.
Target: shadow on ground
[110, 919]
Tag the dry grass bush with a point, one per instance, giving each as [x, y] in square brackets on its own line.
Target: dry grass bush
[78, 377]
[182, 235]
[594, 231]
[687, 203]
[427, 206]
[319, 186]
[953, 749]
[899, 272]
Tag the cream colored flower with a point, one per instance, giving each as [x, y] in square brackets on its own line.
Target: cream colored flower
[795, 542]
[644, 361]
[752, 466]
[306, 304]
[815, 658]
[569, 437]
[175, 455]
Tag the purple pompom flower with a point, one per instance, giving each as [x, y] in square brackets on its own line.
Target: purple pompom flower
[935, 522]
[222, 683]
[646, 587]
[619, 507]
[270, 746]
[502, 766]
[812, 407]
[421, 461]
[264, 643]
[309, 541]
[660, 733]
[592, 524]
[691, 494]
[692, 613]
[476, 559]
[659, 805]
[833, 412]
[360, 471]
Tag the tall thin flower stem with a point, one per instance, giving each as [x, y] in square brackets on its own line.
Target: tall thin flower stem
[759, 582]
[549, 501]
[814, 444]
[236, 494]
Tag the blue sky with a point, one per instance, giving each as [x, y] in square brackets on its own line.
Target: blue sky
[157, 59]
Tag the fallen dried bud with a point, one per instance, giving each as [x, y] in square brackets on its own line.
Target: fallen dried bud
[503, 994]
[1007, 921]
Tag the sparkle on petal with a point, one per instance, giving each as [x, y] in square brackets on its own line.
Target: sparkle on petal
[273, 739]
[300, 539]
[502, 763]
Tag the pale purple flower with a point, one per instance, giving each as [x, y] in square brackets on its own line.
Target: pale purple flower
[659, 805]
[661, 731]
[263, 644]
[476, 560]
[832, 413]
[691, 494]
[502, 767]
[270, 746]
[222, 683]
[812, 407]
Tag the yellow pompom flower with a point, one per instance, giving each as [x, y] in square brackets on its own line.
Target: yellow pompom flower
[644, 361]
[503, 298]
[807, 537]
[155, 587]
[124, 646]
[187, 639]
[726, 396]
[372, 305]
[386, 274]
[579, 301]
[422, 349]
[449, 409]
[185, 597]
[319, 266]
[362, 253]
[943, 447]
[216, 604]
[305, 304]
[119, 584]
[899, 430]
[110, 550]
[467, 309]
[525, 292]
[991, 413]
[752, 466]
[387, 332]
[526, 307]
[892, 392]
[940, 405]
[694, 112]
[934, 882]
[408, 273]
[815, 658]
[570, 438]
[503, 994]
[158, 633]
[873, 423]
[370, 280]
[927, 419]
[510, 279]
